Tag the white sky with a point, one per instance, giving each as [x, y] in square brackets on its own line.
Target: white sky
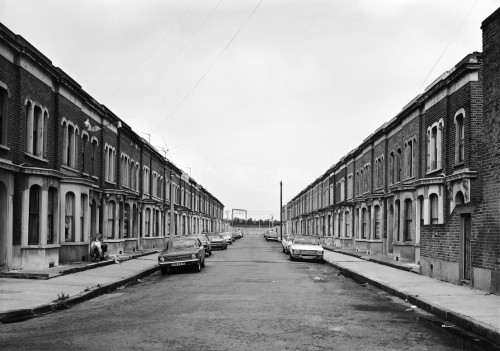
[244, 101]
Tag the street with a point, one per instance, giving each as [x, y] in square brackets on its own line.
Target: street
[248, 297]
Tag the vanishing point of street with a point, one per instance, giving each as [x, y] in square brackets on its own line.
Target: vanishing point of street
[249, 297]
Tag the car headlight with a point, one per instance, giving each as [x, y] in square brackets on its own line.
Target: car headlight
[162, 259]
[193, 255]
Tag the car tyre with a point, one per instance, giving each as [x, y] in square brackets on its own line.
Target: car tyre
[197, 268]
[291, 258]
[203, 263]
[164, 270]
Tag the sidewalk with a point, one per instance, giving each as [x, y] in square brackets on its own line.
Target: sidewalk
[37, 292]
[471, 309]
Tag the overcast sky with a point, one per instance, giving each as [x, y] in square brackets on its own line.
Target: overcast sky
[247, 93]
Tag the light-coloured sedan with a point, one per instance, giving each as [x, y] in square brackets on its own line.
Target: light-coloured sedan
[285, 243]
[306, 247]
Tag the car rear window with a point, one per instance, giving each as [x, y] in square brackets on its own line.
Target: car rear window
[306, 241]
[183, 243]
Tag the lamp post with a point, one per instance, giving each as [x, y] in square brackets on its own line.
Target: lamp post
[281, 209]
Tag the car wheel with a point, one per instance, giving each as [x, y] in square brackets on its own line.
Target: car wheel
[164, 270]
[203, 263]
[291, 258]
[197, 268]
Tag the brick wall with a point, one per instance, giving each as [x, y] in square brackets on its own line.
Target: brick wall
[486, 245]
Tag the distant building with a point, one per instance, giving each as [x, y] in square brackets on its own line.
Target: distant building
[425, 186]
[70, 168]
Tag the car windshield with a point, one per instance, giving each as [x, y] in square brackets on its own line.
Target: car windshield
[215, 236]
[181, 244]
[306, 241]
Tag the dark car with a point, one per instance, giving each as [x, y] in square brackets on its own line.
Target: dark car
[218, 241]
[205, 240]
[182, 252]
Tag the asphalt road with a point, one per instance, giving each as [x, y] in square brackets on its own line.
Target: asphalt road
[248, 297]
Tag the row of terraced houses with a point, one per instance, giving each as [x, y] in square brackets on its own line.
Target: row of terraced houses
[70, 169]
[425, 186]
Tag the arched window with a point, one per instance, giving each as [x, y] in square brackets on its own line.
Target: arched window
[434, 209]
[459, 198]
[84, 204]
[391, 168]
[34, 215]
[459, 137]
[407, 220]
[69, 219]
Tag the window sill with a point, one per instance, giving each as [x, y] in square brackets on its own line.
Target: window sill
[459, 164]
[109, 182]
[36, 157]
[38, 247]
[3, 147]
[432, 171]
[70, 169]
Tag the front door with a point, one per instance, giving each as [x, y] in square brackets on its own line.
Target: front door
[465, 252]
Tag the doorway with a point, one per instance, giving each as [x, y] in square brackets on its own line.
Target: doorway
[465, 251]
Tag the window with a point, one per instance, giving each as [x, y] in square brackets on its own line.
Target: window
[146, 174]
[434, 139]
[147, 220]
[93, 155]
[85, 146]
[408, 220]
[364, 228]
[347, 224]
[4, 96]
[434, 210]
[70, 146]
[126, 223]
[349, 186]
[376, 214]
[421, 207]
[36, 130]
[409, 158]
[398, 165]
[110, 154]
[459, 137]
[51, 211]
[398, 220]
[69, 221]
[391, 168]
[83, 211]
[34, 216]
[111, 220]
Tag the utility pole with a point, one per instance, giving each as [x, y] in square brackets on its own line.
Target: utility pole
[172, 224]
[281, 209]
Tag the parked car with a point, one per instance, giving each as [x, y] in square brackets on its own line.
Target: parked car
[218, 241]
[205, 240]
[306, 247]
[285, 243]
[272, 235]
[228, 236]
[182, 252]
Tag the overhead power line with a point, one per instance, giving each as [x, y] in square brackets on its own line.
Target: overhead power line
[129, 77]
[209, 67]
[447, 46]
